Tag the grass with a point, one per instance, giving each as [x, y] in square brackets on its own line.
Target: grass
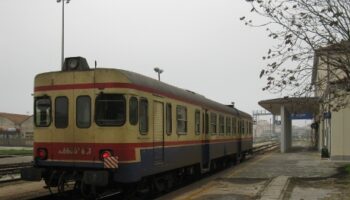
[347, 168]
[19, 152]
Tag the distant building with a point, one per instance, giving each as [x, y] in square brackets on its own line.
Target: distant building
[15, 127]
[329, 80]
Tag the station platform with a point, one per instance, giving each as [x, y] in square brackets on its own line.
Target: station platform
[299, 174]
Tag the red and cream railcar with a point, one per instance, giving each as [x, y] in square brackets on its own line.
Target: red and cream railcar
[109, 126]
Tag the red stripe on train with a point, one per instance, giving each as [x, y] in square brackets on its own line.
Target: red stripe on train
[125, 152]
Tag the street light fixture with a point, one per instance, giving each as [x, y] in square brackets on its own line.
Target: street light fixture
[159, 71]
[62, 47]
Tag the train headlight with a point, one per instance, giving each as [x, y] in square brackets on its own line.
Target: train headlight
[73, 63]
[42, 154]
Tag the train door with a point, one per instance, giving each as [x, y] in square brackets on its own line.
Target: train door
[81, 115]
[158, 132]
[205, 141]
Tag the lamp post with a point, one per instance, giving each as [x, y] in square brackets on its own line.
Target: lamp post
[159, 71]
[62, 47]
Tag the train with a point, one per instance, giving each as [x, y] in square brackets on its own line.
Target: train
[108, 128]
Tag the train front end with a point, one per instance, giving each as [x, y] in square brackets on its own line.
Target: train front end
[79, 126]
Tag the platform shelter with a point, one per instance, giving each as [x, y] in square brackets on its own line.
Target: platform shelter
[287, 108]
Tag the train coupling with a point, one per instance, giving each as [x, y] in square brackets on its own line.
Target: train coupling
[97, 178]
[32, 174]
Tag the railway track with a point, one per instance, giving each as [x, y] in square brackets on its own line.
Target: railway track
[11, 172]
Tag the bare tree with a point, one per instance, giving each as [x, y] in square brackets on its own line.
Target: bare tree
[308, 33]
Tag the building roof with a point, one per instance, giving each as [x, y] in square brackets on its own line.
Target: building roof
[292, 104]
[15, 118]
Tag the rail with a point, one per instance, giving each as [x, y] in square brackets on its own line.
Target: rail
[264, 147]
[11, 172]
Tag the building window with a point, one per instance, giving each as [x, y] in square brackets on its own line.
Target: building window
[42, 111]
[213, 123]
[61, 112]
[197, 122]
[181, 118]
[143, 115]
[110, 110]
[133, 110]
[83, 114]
[221, 125]
[169, 127]
[228, 125]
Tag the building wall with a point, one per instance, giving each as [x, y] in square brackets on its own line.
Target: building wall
[5, 123]
[340, 135]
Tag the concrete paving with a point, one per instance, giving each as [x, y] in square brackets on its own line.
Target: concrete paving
[270, 177]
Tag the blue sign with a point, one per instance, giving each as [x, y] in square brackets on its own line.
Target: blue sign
[302, 116]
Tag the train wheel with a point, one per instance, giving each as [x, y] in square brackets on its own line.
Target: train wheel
[88, 191]
[66, 182]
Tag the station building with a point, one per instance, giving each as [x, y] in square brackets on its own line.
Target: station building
[334, 117]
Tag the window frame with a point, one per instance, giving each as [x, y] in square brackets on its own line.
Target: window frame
[228, 126]
[221, 125]
[90, 111]
[197, 122]
[180, 132]
[213, 124]
[136, 117]
[35, 111]
[141, 101]
[122, 123]
[168, 119]
[67, 113]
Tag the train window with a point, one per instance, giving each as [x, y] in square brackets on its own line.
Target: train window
[61, 112]
[143, 115]
[169, 127]
[213, 123]
[181, 118]
[221, 125]
[234, 126]
[197, 121]
[228, 125]
[83, 112]
[133, 110]
[42, 111]
[110, 110]
[243, 128]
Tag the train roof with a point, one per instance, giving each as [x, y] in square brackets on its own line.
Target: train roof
[170, 91]
[188, 95]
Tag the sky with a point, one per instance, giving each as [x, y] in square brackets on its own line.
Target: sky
[201, 45]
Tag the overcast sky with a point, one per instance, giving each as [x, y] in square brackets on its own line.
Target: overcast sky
[201, 45]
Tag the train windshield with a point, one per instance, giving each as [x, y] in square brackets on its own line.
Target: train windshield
[42, 111]
[110, 110]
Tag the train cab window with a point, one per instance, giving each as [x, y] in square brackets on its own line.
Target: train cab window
[228, 125]
[110, 110]
[221, 125]
[133, 110]
[61, 112]
[169, 127]
[83, 112]
[143, 115]
[181, 118]
[213, 123]
[197, 122]
[42, 111]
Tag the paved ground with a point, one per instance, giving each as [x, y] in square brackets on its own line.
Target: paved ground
[298, 175]
[15, 159]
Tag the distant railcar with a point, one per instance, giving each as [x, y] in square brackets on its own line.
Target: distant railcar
[108, 127]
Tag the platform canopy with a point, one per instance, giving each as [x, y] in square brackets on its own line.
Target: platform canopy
[292, 105]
